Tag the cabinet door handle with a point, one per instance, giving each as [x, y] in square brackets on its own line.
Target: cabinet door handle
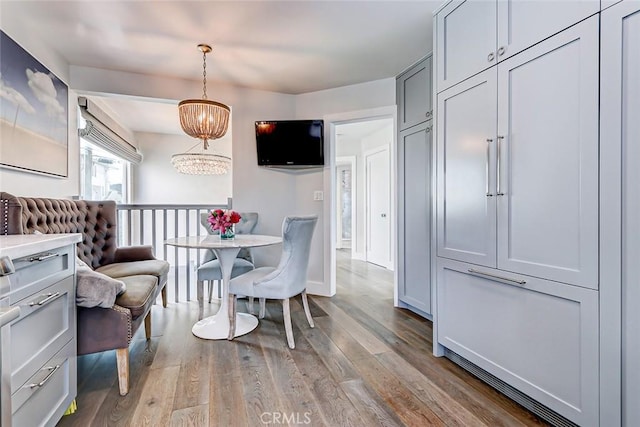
[429, 113]
[43, 257]
[52, 370]
[502, 50]
[49, 297]
[491, 56]
[495, 276]
[487, 167]
[499, 165]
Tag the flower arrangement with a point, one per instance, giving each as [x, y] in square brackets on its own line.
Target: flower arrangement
[223, 221]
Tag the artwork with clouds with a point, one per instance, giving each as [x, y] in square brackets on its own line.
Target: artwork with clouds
[33, 113]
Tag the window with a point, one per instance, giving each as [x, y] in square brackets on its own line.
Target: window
[103, 176]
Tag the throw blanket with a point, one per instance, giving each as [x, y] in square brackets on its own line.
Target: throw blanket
[96, 289]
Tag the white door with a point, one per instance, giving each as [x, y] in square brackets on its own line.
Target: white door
[466, 200]
[378, 207]
[548, 158]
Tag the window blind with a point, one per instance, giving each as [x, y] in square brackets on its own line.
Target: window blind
[96, 131]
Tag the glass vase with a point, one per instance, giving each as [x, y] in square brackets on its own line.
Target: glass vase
[229, 233]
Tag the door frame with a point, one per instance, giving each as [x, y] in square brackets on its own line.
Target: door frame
[389, 264]
[329, 178]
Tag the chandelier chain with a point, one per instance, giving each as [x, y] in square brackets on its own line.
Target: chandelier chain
[204, 74]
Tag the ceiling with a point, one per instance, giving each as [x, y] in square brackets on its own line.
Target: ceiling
[289, 47]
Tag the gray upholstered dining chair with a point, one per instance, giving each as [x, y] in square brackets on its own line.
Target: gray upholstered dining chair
[286, 280]
[210, 268]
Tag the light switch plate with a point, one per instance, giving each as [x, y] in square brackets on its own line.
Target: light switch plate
[318, 195]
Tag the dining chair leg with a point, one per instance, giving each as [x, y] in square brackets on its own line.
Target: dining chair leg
[210, 290]
[232, 316]
[263, 303]
[250, 305]
[286, 313]
[199, 293]
[305, 304]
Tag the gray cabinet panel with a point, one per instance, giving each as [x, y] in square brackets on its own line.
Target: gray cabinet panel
[414, 231]
[620, 237]
[466, 200]
[548, 158]
[413, 88]
[466, 40]
[539, 336]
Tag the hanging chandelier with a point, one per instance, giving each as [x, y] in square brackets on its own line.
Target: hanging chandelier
[191, 163]
[206, 120]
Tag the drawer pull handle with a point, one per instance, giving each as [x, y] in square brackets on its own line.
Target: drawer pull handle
[43, 257]
[495, 276]
[49, 297]
[52, 370]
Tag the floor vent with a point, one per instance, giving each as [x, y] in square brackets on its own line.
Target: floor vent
[537, 408]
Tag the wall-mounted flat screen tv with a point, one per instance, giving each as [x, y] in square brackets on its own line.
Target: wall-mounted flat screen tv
[290, 143]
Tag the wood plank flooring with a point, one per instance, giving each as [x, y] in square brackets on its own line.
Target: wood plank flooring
[364, 364]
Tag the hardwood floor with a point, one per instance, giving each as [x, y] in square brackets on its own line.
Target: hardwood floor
[364, 364]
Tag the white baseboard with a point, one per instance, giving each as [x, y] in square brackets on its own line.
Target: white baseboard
[318, 288]
[360, 256]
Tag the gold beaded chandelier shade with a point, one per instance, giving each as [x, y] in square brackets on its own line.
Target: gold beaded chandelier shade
[203, 119]
[206, 120]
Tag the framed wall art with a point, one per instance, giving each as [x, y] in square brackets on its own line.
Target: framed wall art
[34, 116]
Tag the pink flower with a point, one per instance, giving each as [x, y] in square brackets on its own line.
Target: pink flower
[222, 219]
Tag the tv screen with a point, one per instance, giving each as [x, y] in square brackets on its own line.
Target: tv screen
[290, 143]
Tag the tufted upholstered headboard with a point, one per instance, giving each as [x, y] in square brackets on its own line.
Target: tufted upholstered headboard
[96, 220]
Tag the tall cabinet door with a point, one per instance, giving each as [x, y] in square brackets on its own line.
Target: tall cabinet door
[466, 201]
[466, 41]
[620, 133]
[414, 245]
[524, 23]
[547, 156]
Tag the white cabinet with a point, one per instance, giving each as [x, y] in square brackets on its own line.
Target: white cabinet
[522, 196]
[414, 230]
[39, 347]
[620, 189]
[539, 336]
[475, 34]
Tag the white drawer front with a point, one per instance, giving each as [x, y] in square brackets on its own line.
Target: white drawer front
[46, 324]
[42, 400]
[541, 336]
[40, 270]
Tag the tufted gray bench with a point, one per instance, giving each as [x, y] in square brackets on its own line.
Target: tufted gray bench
[99, 329]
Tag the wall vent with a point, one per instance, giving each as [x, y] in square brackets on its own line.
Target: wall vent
[536, 407]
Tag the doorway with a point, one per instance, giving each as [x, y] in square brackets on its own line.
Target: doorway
[362, 212]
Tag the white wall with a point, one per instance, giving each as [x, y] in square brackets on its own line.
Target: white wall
[155, 180]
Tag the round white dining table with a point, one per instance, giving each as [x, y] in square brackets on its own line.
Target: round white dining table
[217, 326]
